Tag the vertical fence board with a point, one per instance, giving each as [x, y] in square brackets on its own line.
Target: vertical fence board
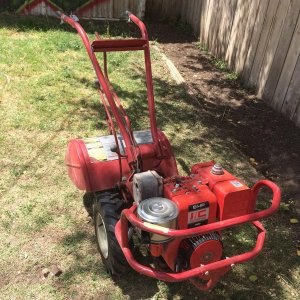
[287, 71]
[190, 10]
[213, 26]
[247, 35]
[221, 32]
[272, 44]
[292, 97]
[204, 8]
[208, 20]
[238, 32]
[229, 8]
[258, 26]
[262, 45]
[282, 49]
[197, 16]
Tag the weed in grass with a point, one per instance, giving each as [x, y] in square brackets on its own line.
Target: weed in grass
[220, 64]
[233, 76]
[41, 220]
[223, 66]
[203, 48]
[27, 208]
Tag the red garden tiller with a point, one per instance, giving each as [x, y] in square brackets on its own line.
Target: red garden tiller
[137, 198]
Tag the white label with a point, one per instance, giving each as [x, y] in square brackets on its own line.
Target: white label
[236, 183]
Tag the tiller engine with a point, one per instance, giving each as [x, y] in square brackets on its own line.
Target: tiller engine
[139, 201]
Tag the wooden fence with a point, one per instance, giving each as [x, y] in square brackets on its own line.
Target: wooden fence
[260, 39]
[91, 9]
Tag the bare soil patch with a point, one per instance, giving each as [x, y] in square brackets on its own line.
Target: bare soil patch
[271, 142]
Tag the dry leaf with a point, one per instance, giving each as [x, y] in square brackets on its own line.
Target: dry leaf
[253, 278]
[294, 221]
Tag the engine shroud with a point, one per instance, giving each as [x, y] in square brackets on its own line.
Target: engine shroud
[202, 198]
[197, 204]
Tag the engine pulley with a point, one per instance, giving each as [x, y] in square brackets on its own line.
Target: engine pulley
[201, 250]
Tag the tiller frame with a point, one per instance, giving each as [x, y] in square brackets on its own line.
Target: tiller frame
[115, 111]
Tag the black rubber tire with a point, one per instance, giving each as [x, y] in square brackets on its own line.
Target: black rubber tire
[108, 207]
[88, 202]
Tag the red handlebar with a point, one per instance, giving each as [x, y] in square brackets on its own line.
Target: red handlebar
[143, 44]
[215, 269]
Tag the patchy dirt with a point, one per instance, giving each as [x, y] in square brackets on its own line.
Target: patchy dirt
[271, 142]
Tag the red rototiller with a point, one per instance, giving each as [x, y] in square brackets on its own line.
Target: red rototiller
[137, 198]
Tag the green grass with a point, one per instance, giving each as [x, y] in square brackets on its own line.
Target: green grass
[47, 97]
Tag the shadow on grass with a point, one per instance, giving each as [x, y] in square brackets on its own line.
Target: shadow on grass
[90, 265]
[271, 273]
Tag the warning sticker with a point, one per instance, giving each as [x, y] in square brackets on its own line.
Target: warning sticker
[198, 214]
[95, 149]
[236, 183]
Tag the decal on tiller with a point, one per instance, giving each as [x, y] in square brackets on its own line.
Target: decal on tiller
[198, 214]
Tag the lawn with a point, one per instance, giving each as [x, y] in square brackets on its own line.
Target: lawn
[47, 97]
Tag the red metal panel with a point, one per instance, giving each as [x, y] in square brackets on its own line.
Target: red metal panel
[234, 196]
[94, 175]
[118, 45]
[191, 194]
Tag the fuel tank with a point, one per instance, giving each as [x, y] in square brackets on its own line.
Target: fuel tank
[234, 197]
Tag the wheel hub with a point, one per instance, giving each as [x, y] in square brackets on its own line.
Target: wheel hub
[102, 236]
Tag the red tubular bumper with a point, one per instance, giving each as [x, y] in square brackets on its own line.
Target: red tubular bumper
[215, 269]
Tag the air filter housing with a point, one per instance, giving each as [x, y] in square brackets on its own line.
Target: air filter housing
[159, 211]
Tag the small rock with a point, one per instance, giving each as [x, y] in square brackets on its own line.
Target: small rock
[56, 271]
[45, 272]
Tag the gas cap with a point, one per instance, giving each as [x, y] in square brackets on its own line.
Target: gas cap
[217, 169]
